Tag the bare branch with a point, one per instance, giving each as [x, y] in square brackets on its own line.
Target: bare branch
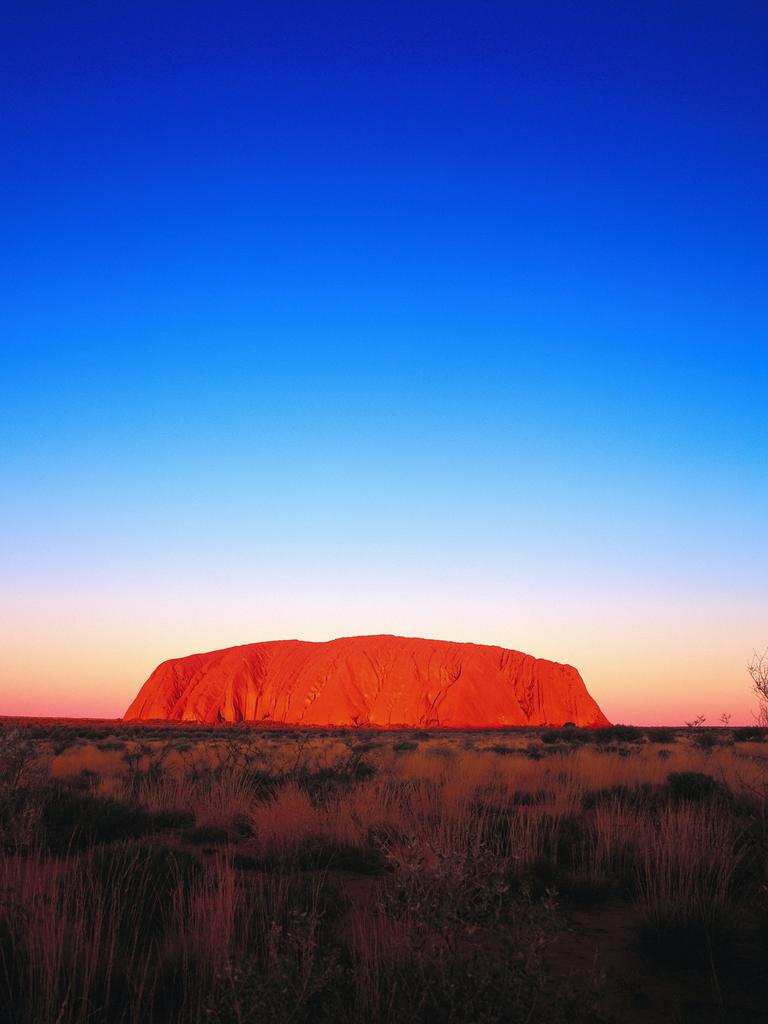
[758, 671]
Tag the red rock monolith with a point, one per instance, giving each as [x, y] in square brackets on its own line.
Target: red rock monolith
[378, 681]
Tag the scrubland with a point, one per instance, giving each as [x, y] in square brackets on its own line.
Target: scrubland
[239, 876]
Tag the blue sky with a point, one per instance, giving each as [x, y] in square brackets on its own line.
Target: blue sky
[447, 319]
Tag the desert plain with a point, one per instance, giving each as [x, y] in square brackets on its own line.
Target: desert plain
[161, 873]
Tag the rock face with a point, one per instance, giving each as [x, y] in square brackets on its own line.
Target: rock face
[380, 681]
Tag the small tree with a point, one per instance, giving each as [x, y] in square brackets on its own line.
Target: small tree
[19, 761]
[758, 670]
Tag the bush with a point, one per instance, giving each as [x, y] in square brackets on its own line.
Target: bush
[661, 735]
[61, 819]
[318, 853]
[320, 785]
[447, 753]
[534, 752]
[642, 796]
[704, 739]
[112, 743]
[85, 780]
[19, 759]
[263, 784]
[295, 973]
[165, 821]
[568, 734]
[749, 734]
[618, 734]
[205, 835]
[75, 820]
[691, 786]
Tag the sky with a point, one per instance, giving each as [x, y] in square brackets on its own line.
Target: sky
[437, 319]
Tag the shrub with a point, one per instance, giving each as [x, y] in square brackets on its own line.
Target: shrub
[293, 978]
[19, 759]
[85, 780]
[642, 796]
[366, 746]
[75, 820]
[509, 985]
[618, 734]
[534, 752]
[555, 749]
[263, 784]
[209, 834]
[691, 786]
[448, 753]
[661, 735]
[242, 826]
[705, 739]
[318, 853]
[320, 785]
[167, 820]
[568, 734]
[750, 734]
[112, 743]
[60, 819]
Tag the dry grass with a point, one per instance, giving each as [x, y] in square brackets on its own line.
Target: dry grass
[307, 878]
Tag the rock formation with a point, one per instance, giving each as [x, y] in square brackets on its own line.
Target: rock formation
[378, 681]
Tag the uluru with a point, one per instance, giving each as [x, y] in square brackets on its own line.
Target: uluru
[377, 681]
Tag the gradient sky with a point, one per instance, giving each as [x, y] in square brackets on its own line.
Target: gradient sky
[438, 319]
